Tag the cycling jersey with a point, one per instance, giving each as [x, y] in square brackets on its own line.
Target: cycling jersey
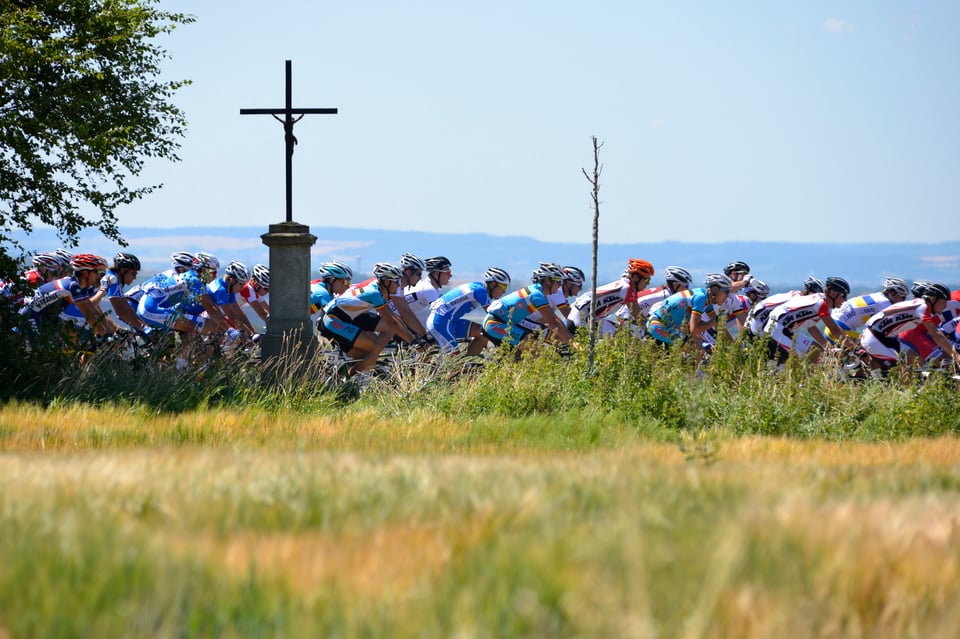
[347, 315]
[52, 298]
[419, 298]
[504, 317]
[881, 338]
[219, 292]
[759, 313]
[319, 296]
[445, 322]
[249, 294]
[610, 298]
[669, 320]
[853, 313]
[802, 311]
[166, 298]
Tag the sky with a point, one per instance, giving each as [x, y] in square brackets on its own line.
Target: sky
[719, 121]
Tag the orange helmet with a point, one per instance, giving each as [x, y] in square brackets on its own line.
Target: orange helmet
[642, 267]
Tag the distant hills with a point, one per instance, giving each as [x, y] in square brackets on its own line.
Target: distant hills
[780, 264]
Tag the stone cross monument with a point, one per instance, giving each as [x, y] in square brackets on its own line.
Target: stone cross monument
[288, 328]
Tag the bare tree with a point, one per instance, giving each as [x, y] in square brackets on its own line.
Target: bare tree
[595, 194]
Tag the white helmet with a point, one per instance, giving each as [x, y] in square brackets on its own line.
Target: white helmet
[896, 285]
[497, 275]
[385, 271]
[547, 271]
[261, 275]
[719, 279]
[677, 274]
[238, 270]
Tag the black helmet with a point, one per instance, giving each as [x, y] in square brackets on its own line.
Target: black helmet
[935, 290]
[736, 267]
[919, 289]
[838, 284]
[126, 260]
[438, 263]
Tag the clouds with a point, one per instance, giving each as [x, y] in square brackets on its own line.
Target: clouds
[837, 25]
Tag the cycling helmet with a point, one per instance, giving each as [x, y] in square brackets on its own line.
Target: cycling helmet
[642, 267]
[90, 262]
[261, 275]
[935, 290]
[573, 274]
[207, 260]
[757, 286]
[497, 275]
[64, 254]
[409, 260]
[919, 289]
[238, 270]
[677, 274]
[126, 260]
[718, 279]
[336, 270]
[896, 285]
[50, 261]
[736, 267]
[439, 263]
[383, 271]
[181, 259]
[812, 285]
[547, 271]
[837, 284]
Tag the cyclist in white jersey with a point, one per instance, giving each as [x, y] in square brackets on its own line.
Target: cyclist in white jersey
[421, 295]
[760, 312]
[804, 312]
[611, 297]
[412, 268]
[880, 337]
[254, 293]
[854, 313]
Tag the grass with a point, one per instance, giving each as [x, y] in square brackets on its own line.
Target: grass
[644, 498]
[369, 527]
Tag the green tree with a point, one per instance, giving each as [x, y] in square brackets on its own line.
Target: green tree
[81, 109]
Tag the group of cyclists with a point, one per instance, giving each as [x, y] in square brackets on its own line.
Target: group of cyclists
[412, 302]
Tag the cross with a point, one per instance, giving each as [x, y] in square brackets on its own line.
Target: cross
[288, 121]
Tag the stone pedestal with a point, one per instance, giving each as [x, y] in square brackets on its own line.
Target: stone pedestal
[289, 339]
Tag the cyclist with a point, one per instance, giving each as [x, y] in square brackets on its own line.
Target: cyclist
[421, 295]
[180, 262]
[46, 267]
[517, 315]
[333, 281]
[412, 270]
[45, 307]
[177, 302]
[254, 292]
[916, 340]
[759, 313]
[676, 279]
[446, 322]
[682, 314]
[613, 296]
[853, 313]
[360, 320]
[126, 267]
[880, 335]
[805, 311]
[570, 286]
[739, 274]
[224, 291]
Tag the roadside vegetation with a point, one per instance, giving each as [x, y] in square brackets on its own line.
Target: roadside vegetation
[645, 497]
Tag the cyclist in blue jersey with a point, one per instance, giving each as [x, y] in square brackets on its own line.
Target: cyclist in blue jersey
[506, 317]
[45, 307]
[224, 292]
[333, 281]
[177, 302]
[680, 316]
[126, 267]
[446, 321]
[360, 320]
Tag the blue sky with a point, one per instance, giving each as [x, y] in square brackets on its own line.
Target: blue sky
[807, 121]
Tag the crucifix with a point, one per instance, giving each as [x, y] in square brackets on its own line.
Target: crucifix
[288, 121]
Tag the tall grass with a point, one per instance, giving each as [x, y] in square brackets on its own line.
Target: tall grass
[773, 538]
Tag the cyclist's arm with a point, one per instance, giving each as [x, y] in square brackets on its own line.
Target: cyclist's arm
[238, 317]
[557, 328]
[942, 341]
[219, 320]
[831, 324]
[121, 306]
[408, 317]
[697, 325]
[101, 324]
[395, 324]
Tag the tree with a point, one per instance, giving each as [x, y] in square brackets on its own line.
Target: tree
[81, 108]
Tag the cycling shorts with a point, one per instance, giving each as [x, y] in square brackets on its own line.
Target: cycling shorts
[446, 332]
[343, 330]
